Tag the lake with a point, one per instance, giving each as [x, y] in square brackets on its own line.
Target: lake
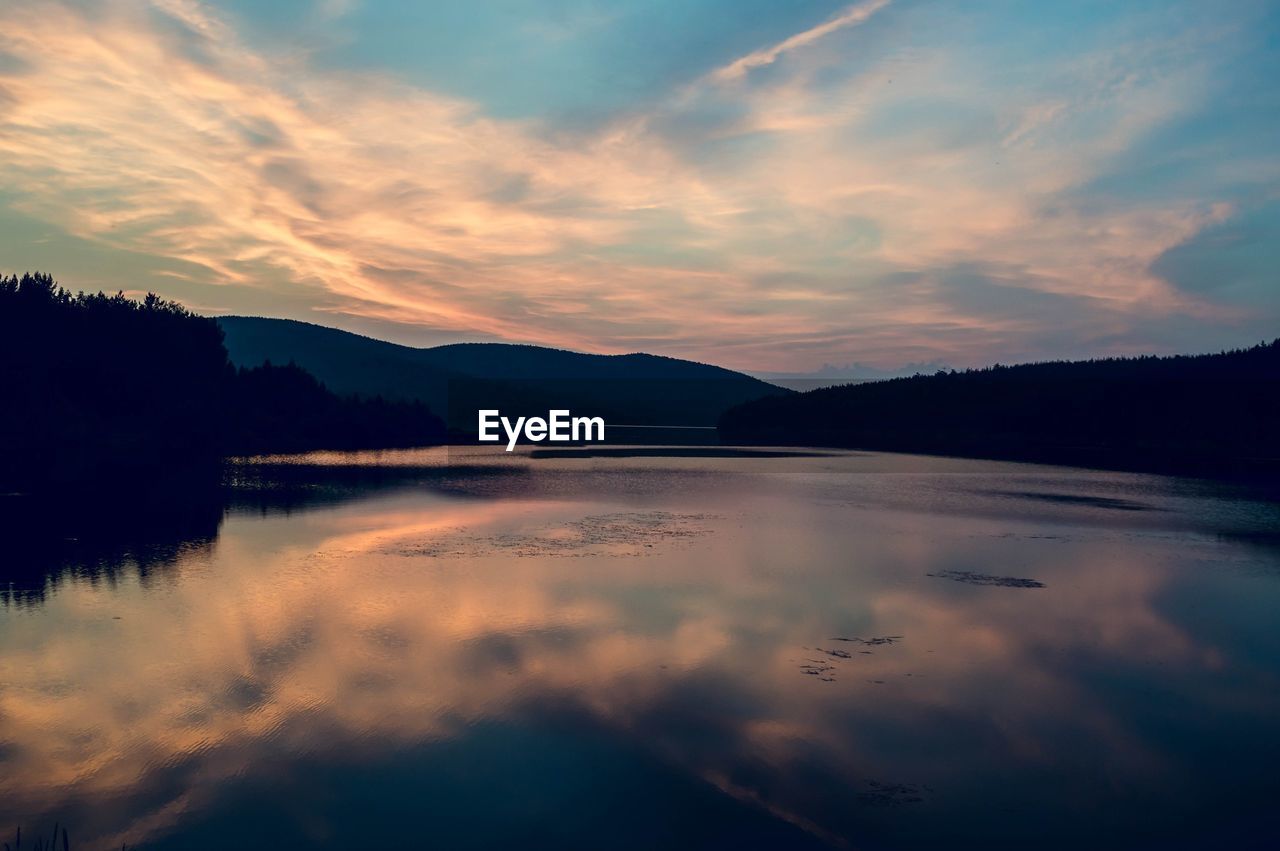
[635, 648]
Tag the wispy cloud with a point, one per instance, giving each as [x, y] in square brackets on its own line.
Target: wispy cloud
[851, 16]
[913, 205]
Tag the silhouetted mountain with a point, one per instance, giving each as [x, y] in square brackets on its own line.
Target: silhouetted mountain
[347, 363]
[517, 379]
[1212, 413]
[98, 385]
[831, 375]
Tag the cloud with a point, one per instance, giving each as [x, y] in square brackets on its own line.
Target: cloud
[850, 17]
[236, 166]
[804, 216]
[238, 648]
[1235, 258]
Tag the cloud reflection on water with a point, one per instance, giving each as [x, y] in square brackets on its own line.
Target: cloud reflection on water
[344, 633]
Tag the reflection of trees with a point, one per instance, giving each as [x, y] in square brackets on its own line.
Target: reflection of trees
[293, 645]
[97, 534]
[106, 528]
[109, 528]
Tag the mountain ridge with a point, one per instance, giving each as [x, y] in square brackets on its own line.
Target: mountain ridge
[635, 387]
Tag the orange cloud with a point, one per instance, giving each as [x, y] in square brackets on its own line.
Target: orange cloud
[157, 129]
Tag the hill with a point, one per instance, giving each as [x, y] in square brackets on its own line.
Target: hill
[1209, 413]
[636, 389]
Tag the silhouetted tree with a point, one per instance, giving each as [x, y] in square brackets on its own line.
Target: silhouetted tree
[1209, 413]
[284, 408]
[96, 384]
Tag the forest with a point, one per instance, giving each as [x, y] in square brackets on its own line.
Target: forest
[105, 385]
[1211, 414]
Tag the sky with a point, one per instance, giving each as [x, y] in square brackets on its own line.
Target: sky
[762, 185]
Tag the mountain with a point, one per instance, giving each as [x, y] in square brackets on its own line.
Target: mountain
[830, 375]
[632, 389]
[1211, 413]
[803, 382]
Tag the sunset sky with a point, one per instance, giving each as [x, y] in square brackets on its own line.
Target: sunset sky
[764, 185]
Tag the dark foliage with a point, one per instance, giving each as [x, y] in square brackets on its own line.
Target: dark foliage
[92, 381]
[1204, 413]
[98, 385]
[285, 409]
[55, 842]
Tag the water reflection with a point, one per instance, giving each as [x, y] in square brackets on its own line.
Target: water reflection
[623, 652]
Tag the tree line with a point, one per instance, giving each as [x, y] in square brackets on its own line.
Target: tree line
[1213, 413]
[95, 384]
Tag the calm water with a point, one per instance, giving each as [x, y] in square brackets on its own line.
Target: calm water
[462, 650]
